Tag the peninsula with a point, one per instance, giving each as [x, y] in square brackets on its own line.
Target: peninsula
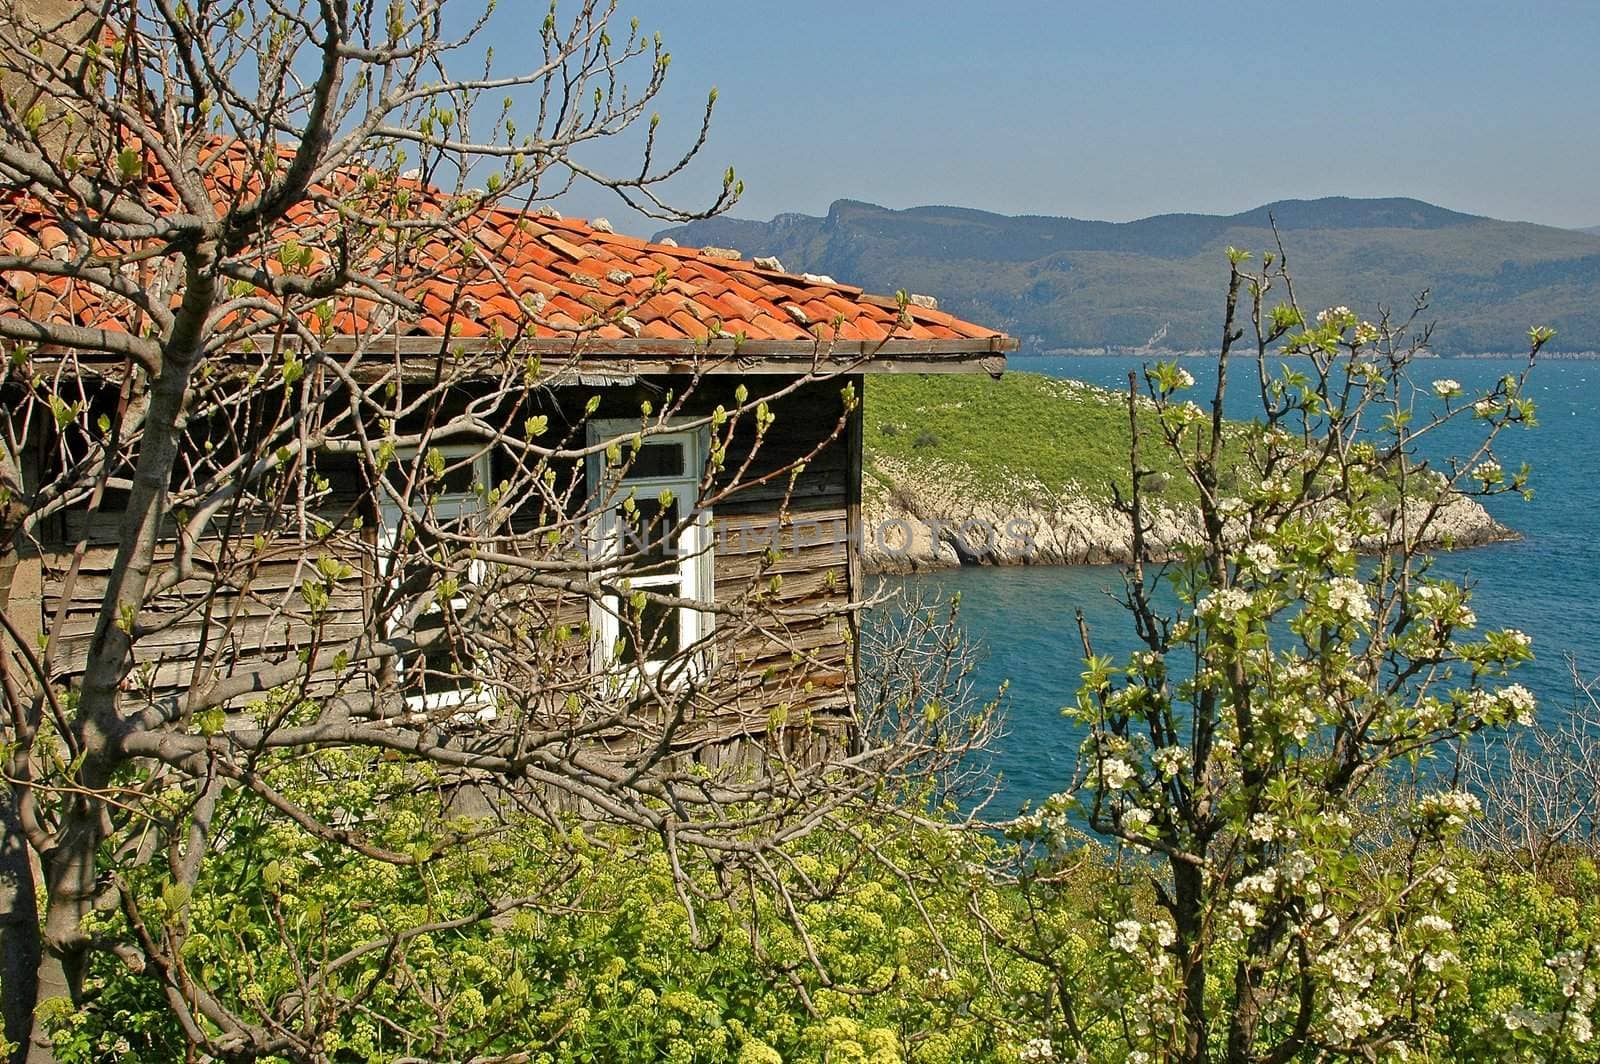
[971, 471]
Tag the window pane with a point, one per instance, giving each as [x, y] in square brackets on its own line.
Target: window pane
[647, 539]
[442, 667]
[658, 625]
[421, 559]
[655, 460]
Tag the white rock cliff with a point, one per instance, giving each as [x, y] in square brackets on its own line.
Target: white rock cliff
[934, 516]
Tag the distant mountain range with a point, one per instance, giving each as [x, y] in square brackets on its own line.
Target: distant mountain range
[1064, 283]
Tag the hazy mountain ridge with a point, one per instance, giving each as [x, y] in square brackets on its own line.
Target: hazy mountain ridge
[1073, 283]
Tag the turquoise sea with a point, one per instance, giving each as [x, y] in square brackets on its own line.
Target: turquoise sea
[1547, 583]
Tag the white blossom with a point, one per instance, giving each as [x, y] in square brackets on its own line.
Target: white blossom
[1037, 1049]
[1115, 773]
[1445, 387]
[1434, 924]
[1170, 760]
[1452, 808]
[1348, 597]
[1435, 602]
[1223, 604]
[1261, 557]
[1263, 884]
[1148, 661]
[1280, 484]
[1352, 1017]
[1263, 828]
[1519, 1018]
[1125, 935]
[1429, 600]
[1518, 702]
[1325, 918]
[1296, 715]
[1296, 865]
[1438, 960]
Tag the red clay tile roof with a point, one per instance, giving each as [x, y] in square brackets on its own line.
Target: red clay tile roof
[505, 274]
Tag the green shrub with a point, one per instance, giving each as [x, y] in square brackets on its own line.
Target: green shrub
[611, 967]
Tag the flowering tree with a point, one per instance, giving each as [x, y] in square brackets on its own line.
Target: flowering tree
[1276, 896]
[255, 445]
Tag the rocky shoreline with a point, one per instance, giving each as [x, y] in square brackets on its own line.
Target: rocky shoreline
[936, 517]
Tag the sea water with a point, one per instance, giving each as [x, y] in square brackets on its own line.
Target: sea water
[1545, 583]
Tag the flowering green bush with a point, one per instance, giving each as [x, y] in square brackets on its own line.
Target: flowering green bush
[1528, 983]
[613, 965]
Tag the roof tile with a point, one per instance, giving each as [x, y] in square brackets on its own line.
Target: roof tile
[688, 325]
[658, 329]
[522, 267]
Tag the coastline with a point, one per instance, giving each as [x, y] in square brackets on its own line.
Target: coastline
[1157, 354]
[936, 517]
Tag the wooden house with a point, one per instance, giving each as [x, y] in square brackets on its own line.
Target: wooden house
[601, 326]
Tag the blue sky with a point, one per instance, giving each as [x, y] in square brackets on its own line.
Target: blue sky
[1134, 107]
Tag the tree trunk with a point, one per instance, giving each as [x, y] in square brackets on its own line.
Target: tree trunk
[1187, 891]
[69, 888]
[71, 868]
[19, 930]
[1245, 1016]
[20, 598]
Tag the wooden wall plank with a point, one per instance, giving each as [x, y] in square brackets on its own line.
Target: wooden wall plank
[802, 660]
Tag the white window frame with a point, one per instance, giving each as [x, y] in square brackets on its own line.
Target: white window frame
[449, 506]
[695, 572]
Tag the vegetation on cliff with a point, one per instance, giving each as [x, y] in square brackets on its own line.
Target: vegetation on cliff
[1044, 454]
[1016, 436]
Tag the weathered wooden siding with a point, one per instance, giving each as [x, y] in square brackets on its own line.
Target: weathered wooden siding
[800, 665]
[199, 629]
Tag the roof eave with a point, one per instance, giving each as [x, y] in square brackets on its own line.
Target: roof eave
[643, 355]
[632, 357]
